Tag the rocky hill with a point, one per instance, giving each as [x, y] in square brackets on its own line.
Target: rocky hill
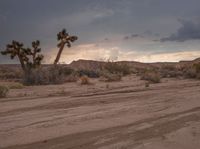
[95, 65]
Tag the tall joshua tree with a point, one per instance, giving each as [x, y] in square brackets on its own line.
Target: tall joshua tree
[64, 39]
[16, 49]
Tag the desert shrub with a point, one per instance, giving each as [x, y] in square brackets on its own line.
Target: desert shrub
[147, 84]
[151, 76]
[142, 71]
[116, 68]
[110, 77]
[10, 74]
[35, 77]
[15, 85]
[170, 71]
[50, 75]
[56, 75]
[71, 78]
[66, 70]
[197, 67]
[3, 91]
[171, 74]
[192, 71]
[169, 67]
[89, 73]
[85, 80]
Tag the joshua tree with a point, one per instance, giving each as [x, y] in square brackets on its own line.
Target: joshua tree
[17, 49]
[36, 58]
[64, 38]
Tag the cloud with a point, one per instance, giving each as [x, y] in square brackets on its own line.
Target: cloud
[95, 52]
[148, 32]
[3, 19]
[132, 36]
[85, 51]
[159, 57]
[190, 30]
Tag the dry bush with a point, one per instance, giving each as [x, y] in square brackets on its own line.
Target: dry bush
[15, 85]
[3, 91]
[116, 68]
[170, 71]
[71, 78]
[10, 74]
[151, 76]
[89, 73]
[192, 71]
[36, 77]
[85, 80]
[50, 75]
[109, 77]
[197, 67]
[147, 84]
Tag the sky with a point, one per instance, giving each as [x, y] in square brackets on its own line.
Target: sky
[132, 30]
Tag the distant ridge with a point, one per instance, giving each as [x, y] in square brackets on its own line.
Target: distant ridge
[95, 65]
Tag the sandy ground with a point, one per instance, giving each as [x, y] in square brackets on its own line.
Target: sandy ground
[120, 115]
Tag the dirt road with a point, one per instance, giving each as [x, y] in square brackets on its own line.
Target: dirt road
[121, 115]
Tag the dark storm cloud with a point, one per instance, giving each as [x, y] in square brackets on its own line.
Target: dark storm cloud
[91, 20]
[190, 30]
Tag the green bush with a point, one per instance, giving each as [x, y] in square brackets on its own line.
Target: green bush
[3, 91]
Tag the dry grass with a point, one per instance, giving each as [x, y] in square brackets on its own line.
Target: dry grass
[192, 72]
[51, 75]
[71, 78]
[10, 74]
[85, 80]
[15, 85]
[170, 71]
[115, 68]
[151, 76]
[147, 84]
[3, 91]
[109, 77]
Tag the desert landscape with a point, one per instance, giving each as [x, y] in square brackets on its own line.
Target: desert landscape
[99, 74]
[101, 114]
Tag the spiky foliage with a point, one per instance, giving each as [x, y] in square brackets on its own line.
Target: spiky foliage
[16, 49]
[34, 53]
[64, 39]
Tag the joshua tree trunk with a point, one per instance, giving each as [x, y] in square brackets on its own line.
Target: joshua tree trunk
[59, 53]
[22, 63]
